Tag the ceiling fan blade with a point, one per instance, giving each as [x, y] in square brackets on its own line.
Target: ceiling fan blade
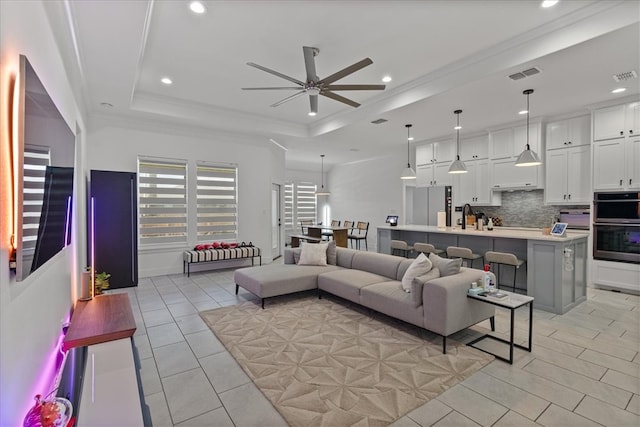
[313, 101]
[355, 87]
[346, 71]
[271, 88]
[342, 99]
[275, 73]
[288, 98]
[310, 63]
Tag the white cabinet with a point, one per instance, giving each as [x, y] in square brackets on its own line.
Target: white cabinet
[474, 187]
[568, 133]
[501, 144]
[616, 147]
[430, 175]
[568, 176]
[616, 122]
[435, 152]
[474, 148]
[506, 175]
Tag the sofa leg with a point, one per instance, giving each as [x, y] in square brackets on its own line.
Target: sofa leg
[492, 320]
[319, 293]
[444, 344]
[262, 299]
[237, 286]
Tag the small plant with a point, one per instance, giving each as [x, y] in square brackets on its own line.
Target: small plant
[102, 282]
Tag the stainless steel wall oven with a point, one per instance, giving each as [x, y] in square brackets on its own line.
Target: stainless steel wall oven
[616, 227]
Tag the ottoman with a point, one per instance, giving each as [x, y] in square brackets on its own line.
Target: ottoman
[279, 279]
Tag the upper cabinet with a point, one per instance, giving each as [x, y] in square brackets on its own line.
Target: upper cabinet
[616, 147]
[568, 133]
[435, 152]
[616, 122]
[505, 145]
[474, 148]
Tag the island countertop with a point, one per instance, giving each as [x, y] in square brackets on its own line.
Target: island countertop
[497, 232]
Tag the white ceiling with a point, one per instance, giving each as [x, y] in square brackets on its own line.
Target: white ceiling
[442, 55]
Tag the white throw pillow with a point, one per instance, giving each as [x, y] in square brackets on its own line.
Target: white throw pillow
[313, 254]
[420, 266]
[446, 266]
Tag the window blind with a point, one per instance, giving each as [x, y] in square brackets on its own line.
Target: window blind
[162, 197]
[217, 200]
[289, 223]
[306, 201]
[36, 160]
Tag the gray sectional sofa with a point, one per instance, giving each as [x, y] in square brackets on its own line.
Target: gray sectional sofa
[438, 304]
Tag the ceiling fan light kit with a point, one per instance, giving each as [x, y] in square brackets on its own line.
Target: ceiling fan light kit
[408, 172]
[528, 157]
[314, 86]
[458, 166]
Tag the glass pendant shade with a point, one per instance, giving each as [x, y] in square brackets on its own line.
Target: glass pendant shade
[322, 191]
[458, 166]
[408, 172]
[528, 157]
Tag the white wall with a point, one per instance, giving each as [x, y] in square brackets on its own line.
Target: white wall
[368, 190]
[31, 311]
[116, 146]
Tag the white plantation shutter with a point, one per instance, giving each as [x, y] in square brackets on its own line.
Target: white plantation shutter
[217, 197]
[305, 201]
[36, 160]
[162, 197]
[289, 223]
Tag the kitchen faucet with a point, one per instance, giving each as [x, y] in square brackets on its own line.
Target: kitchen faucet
[464, 215]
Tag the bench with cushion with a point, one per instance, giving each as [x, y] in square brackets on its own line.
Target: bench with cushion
[209, 255]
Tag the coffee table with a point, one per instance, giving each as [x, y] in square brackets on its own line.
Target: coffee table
[513, 302]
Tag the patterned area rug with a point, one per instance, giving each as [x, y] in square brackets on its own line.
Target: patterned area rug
[327, 363]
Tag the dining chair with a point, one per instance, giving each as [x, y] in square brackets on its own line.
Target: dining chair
[328, 233]
[360, 234]
[304, 225]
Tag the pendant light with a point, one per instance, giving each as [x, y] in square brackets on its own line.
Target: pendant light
[458, 165]
[408, 172]
[528, 157]
[322, 191]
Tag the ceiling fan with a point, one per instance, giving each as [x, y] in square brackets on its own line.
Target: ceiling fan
[314, 86]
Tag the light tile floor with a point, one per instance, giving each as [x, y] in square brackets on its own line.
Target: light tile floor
[584, 369]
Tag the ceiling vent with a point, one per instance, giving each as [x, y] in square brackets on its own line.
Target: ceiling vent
[379, 121]
[625, 76]
[525, 73]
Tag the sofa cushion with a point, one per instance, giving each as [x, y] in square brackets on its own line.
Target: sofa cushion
[332, 256]
[313, 254]
[346, 283]
[279, 279]
[420, 266]
[373, 262]
[446, 266]
[403, 267]
[418, 283]
[344, 257]
[390, 299]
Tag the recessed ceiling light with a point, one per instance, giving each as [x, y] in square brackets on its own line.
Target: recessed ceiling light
[523, 112]
[197, 7]
[410, 138]
[619, 90]
[457, 127]
[311, 113]
[386, 79]
[166, 80]
[549, 3]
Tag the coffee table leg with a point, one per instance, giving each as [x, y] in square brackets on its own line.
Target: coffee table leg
[511, 336]
[530, 326]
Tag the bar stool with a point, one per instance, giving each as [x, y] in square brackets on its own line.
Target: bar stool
[427, 248]
[504, 258]
[401, 247]
[464, 253]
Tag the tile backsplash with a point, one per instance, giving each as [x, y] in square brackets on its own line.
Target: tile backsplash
[524, 209]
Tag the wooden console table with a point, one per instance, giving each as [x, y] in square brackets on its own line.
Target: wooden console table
[104, 318]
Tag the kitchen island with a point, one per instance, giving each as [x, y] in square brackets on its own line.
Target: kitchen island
[556, 270]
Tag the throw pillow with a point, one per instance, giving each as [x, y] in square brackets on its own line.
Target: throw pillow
[421, 265]
[313, 254]
[446, 266]
[332, 253]
[417, 285]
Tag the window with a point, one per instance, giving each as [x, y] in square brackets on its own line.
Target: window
[217, 198]
[162, 196]
[36, 160]
[305, 201]
[289, 223]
